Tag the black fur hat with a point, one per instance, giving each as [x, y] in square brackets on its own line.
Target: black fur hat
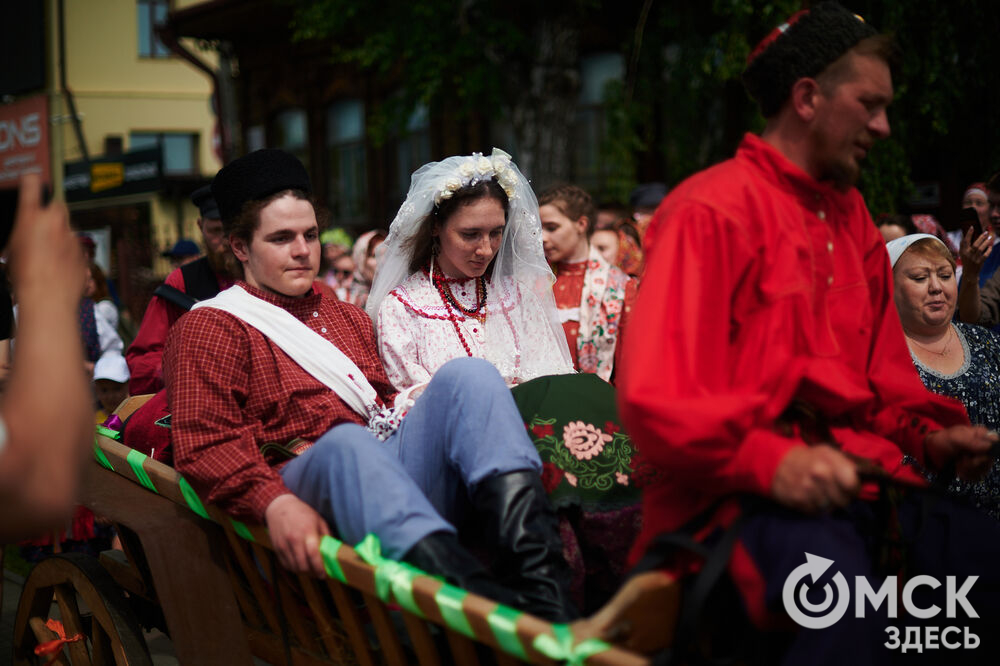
[801, 47]
[256, 176]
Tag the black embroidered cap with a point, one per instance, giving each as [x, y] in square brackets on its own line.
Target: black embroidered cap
[803, 46]
[254, 177]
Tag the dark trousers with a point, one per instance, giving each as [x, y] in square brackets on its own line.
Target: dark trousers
[923, 534]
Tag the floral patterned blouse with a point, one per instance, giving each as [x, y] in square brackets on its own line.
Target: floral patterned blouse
[594, 301]
[977, 385]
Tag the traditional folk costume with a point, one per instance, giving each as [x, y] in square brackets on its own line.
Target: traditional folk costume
[766, 322]
[594, 299]
[254, 378]
[509, 318]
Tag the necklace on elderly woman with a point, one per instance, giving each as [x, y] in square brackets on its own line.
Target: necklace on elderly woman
[947, 344]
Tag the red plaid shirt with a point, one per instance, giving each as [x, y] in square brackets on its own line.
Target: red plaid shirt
[230, 389]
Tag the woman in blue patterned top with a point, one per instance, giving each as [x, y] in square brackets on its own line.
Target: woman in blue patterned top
[954, 359]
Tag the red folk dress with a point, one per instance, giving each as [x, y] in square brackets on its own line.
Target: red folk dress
[763, 286]
[596, 298]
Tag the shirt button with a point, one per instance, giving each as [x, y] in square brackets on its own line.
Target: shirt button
[829, 280]
[315, 314]
[322, 330]
[829, 246]
[821, 215]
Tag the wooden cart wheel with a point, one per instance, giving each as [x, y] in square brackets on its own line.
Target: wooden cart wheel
[90, 604]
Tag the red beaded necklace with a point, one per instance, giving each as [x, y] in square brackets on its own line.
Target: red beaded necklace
[478, 313]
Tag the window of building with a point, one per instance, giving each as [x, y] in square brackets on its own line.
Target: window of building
[413, 150]
[596, 71]
[179, 149]
[151, 13]
[290, 132]
[346, 163]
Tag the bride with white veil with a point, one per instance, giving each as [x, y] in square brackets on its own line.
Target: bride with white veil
[464, 274]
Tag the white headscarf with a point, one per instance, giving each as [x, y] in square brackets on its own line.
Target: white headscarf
[520, 257]
[898, 246]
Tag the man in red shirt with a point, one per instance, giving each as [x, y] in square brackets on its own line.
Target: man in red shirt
[279, 402]
[765, 357]
[187, 284]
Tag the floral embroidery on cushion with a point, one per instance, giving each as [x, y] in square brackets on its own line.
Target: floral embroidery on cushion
[542, 430]
[621, 478]
[583, 440]
[571, 478]
[552, 476]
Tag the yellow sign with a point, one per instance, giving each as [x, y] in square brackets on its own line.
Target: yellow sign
[106, 176]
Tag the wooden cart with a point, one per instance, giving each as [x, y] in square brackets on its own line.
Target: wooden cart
[214, 586]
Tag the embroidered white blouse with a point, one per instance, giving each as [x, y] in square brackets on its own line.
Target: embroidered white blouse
[416, 334]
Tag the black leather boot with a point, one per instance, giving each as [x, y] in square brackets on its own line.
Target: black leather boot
[520, 525]
[440, 554]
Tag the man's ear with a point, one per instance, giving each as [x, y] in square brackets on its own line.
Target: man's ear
[239, 248]
[581, 224]
[804, 98]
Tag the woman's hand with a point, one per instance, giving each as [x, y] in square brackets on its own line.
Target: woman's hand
[974, 253]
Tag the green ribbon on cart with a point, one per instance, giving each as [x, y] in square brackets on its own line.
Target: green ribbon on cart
[192, 499]
[390, 574]
[328, 549]
[449, 600]
[560, 647]
[101, 458]
[241, 529]
[135, 460]
[109, 433]
[503, 622]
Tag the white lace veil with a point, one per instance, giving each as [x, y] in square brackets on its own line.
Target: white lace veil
[520, 257]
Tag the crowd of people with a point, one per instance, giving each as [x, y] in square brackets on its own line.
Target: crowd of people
[770, 366]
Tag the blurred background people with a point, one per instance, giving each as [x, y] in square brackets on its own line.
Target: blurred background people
[593, 296]
[183, 252]
[643, 202]
[187, 284]
[110, 384]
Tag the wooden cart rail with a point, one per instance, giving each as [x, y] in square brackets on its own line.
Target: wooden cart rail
[224, 597]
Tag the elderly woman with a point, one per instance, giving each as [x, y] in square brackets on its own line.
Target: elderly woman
[958, 360]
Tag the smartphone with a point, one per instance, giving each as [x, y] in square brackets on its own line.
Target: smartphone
[969, 217]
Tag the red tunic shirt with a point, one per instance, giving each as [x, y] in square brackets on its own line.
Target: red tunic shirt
[230, 389]
[145, 354]
[763, 286]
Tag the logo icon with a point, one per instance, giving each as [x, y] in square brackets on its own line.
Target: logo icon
[794, 594]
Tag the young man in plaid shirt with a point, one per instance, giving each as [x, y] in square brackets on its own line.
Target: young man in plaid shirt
[243, 401]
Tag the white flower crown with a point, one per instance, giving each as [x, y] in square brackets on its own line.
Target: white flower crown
[475, 168]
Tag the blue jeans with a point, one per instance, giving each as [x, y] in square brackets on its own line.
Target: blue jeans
[463, 428]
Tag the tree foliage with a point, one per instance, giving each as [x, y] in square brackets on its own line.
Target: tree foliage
[681, 106]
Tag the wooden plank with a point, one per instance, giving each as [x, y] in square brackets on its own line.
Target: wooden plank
[386, 632]
[329, 632]
[351, 619]
[184, 553]
[295, 619]
[463, 650]
[261, 591]
[421, 639]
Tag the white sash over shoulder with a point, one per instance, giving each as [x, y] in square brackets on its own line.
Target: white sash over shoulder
[315, 354]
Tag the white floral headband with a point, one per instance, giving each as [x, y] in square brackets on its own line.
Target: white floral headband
[476, 168]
